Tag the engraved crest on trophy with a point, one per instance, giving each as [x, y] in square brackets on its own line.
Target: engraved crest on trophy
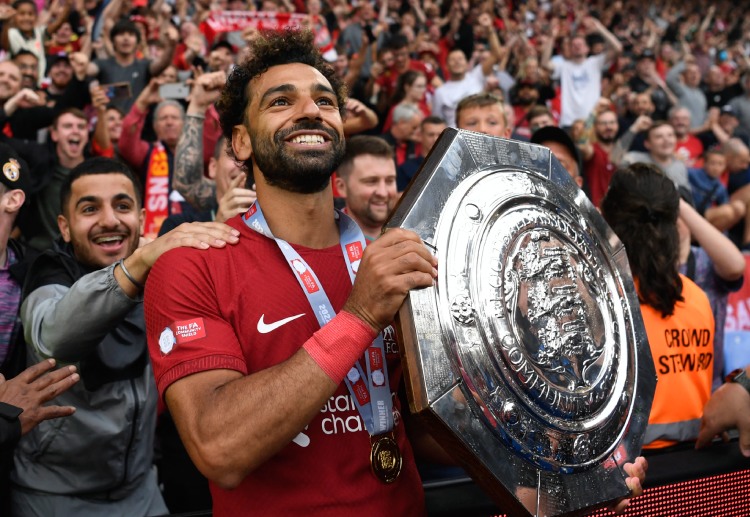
[528, 358]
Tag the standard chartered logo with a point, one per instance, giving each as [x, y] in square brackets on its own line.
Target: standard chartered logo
[335, 421]
[339, 416]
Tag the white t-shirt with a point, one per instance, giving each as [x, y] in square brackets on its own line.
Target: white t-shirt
[448, 95]
[580, 87]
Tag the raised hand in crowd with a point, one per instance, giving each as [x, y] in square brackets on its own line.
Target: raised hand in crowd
[150, 95]
[236, 200]
[728, 408]
[188, 177]
[358, 117]
[35, 386]
[25, 98]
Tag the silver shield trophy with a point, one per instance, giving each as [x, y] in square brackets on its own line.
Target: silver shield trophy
[528, 358]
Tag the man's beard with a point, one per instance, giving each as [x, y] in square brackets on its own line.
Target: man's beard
[606, 139]
[307, 173]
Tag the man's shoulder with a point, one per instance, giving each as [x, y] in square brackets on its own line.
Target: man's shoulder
[183, 261]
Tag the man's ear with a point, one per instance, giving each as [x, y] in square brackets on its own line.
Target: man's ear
[241, 144]
[142, 221]
[340, 186]
[62, 223]
[13, 200]
[212, 166]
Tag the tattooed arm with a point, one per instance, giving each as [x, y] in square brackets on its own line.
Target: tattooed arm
[188, 178]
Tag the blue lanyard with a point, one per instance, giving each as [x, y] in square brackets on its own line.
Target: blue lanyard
[368, 391]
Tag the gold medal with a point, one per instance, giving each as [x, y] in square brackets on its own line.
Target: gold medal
[385, 458]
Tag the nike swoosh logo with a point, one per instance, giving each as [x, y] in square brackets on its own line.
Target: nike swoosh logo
[265, 328]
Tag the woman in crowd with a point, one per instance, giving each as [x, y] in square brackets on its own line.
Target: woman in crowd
[410, 89]
[642, 206]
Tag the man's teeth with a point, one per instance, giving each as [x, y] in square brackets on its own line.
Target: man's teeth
[308, 139]
[104, 240]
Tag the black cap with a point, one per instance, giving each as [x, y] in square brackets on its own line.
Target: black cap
[15, 173]
[59, 57]
[646, 54]
[223, 44]
[555, 134]
[729, 110]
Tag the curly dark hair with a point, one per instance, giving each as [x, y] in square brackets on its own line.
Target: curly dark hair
[641, 206]
[270, 49]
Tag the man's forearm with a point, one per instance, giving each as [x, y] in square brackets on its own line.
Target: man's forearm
[188, 177]
[59, 321]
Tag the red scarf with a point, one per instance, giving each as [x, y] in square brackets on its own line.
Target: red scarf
[156, 199]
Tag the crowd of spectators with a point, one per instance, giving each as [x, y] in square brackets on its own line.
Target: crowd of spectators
[663, 82]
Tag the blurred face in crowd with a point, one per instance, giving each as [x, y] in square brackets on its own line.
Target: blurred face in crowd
[341, 65]
[28, 64]
[169, 75]
[728, 122]
[661, 142]
[715, 164]
[70, 135]
[125, 43]
[680, 121]
[101, 220]
[401, 58]
[541, 121]
[567, 160]
[430, 134]
[739, 160]
[114, 124]
[269, 6]
[416, 90]
[187, 29]
[313, 7]
[531, 70]
[692, 75]
[386, 59]
[715, 78]
[644, 67]
[407, 129]
[606, 127]
[489, 120]
[643, 104]
[61, 73]
[527, 95]
[457, 64]
[63, 34]
[10, 80]
[578, 48]
[223, 170]
[168, 125]
[25, 18]
[370, 189]
[220, 59]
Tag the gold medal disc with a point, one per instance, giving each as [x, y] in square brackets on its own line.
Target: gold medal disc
[385, 459]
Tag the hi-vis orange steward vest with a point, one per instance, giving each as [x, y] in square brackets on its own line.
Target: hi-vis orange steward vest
[682, 346]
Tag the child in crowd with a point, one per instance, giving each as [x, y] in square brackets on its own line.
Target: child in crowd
[710, 196]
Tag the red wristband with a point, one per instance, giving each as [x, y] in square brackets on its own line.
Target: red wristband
[338, 345]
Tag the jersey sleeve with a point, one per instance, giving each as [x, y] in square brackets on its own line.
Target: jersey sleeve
[187, 332]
